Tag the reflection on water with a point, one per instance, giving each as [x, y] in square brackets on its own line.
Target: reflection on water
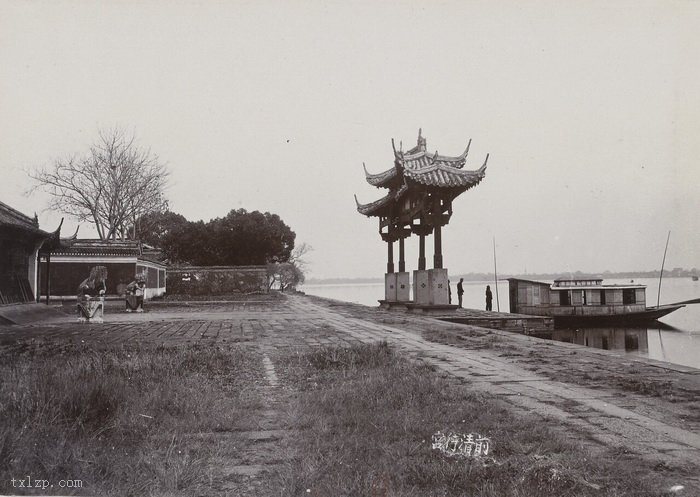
[675, 339]
[621, 339]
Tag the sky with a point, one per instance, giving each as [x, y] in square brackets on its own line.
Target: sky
[590, 112]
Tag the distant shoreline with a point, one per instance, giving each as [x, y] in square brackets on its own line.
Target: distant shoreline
[675, 273]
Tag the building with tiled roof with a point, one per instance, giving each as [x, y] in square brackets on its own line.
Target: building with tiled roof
[421, 188]
[124, 259]
[20, 241]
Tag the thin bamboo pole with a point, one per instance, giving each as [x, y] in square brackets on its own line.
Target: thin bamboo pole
[495, 274]
[658, 295]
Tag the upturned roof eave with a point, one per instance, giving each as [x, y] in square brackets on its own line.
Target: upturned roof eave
[383, 179]
[446, 177]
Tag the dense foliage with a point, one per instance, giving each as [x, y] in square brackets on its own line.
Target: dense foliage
[240, 238]
[153, 228]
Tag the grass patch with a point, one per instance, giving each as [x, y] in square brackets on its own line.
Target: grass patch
[645, 386]
[119, 420]
[366, 417]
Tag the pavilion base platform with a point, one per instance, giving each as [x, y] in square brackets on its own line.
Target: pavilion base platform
[518, 323]
[431, 309]
[394, 305]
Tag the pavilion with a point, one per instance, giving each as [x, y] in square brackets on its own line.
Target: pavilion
[421, 187]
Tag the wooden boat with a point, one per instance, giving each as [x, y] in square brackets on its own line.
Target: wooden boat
[584, 301]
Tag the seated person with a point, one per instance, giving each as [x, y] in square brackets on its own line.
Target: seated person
[134, 296]
[90, 305]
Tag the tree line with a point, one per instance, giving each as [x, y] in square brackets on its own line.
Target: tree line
[119, 187]
[239, 238]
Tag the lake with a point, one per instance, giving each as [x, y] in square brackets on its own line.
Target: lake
[676, 340]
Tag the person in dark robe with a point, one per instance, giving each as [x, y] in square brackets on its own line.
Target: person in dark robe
[489, 297]
[90, 301]
[134, 295]
[460, 291]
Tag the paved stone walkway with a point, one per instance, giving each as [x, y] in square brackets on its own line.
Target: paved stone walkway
[596, 416]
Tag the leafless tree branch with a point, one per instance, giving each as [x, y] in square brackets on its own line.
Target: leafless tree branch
[112, 184]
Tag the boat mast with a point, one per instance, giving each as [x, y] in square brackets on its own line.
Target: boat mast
[495, 274]
[658, 295]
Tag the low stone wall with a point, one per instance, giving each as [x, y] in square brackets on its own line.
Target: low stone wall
[217, 280]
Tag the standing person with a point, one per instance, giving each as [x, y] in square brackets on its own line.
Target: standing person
[489, 297]
[460, 291]
[449, 292]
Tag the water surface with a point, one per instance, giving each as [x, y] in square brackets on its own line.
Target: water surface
[675, 338]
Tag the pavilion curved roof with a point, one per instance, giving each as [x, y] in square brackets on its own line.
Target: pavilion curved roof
[444, 176]
[432, 168]
[381, 179]
[383, 205]
[417, 166]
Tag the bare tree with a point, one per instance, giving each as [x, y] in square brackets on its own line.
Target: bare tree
[110, 186]
[288, 275]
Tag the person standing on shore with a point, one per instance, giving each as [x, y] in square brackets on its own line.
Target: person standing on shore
[489, 297]
[449, 292]
[460, 291]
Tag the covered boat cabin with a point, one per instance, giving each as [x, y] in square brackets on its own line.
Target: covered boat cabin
[582, 297]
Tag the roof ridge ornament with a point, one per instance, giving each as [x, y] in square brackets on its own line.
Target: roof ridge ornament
[466, 151]
[421, 145]
[393, 146]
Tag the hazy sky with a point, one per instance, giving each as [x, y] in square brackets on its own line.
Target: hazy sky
[590, 111]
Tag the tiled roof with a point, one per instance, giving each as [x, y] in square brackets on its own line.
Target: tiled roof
[101, 247]
[430, 169]
[444, 176]
[381, 206]
[381, 179]
[13, 218]
[419, 157]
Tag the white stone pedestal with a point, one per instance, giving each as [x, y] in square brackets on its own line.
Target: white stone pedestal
[438, 287]
[421, 287]
[430, 287]
[403, 287]
[390, 287]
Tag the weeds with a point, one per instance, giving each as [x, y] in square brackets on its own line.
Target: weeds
[117, 419]
[365, 430]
